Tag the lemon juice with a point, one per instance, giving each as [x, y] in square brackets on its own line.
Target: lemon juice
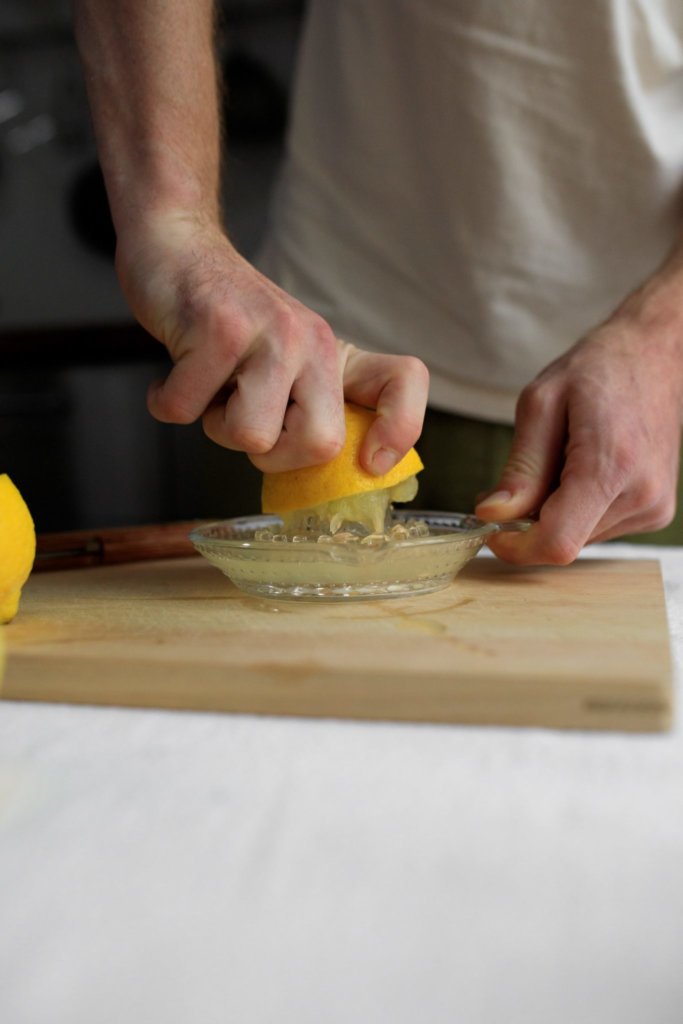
[410, 558]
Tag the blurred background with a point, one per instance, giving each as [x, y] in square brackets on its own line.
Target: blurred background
[75, 434]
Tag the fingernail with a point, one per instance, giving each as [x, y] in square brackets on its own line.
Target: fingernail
[497, 498]
[383, 460]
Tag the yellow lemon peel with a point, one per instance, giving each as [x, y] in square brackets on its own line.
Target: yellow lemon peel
[341, 490]
[17, 547]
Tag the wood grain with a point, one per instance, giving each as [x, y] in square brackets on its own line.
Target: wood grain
[584, 646]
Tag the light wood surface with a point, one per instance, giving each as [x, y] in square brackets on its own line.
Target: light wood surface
[585, 646]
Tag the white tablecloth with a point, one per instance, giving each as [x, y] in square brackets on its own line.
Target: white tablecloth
[186, 868]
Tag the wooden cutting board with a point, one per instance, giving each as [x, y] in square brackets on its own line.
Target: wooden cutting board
[585, 646]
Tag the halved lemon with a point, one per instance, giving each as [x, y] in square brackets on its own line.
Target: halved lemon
[341, 491]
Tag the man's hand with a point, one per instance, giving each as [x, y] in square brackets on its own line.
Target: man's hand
[597, 434]
[265, 374]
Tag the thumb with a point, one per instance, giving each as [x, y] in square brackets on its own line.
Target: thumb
[397, 388]
[534, 459]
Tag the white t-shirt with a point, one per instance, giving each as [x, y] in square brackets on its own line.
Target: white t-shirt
[478, 182]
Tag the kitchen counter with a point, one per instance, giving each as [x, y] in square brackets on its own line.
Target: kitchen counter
[175, 866]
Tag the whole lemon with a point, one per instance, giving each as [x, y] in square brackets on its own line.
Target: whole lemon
[17, 547]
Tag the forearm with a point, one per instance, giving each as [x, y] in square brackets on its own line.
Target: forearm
[657, 305]
[152, 84]
[151, 78]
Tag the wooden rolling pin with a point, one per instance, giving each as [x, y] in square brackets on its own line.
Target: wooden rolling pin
[77, 549]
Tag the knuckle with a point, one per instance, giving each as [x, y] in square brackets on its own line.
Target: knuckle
[228, 339]
[173, 409]
[414, 367]
[624, 460]
[523, 462]
[325, 337]
[608, 483]
[295, 336]
[612, 474]
[322, 448]
[535, 400]
[253, 440]
[402, 369]
[285, 324]
[646, 494]
[560, 550]
[662, 514]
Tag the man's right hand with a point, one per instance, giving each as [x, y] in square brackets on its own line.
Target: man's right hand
[264, 373]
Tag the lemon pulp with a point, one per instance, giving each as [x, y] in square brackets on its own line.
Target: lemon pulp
[340, 492]
[369, 511]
